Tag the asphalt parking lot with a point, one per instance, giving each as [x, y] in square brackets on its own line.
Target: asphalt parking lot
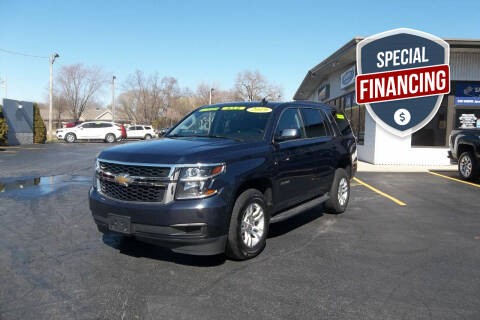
[411, 251]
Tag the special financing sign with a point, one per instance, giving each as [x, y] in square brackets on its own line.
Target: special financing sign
[402, 77]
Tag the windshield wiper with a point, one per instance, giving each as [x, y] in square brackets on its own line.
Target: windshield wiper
[223, 137]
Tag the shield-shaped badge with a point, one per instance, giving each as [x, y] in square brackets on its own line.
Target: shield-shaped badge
[402, 77]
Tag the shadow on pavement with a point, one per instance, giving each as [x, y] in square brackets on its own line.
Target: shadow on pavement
[131, 247]
[282, 227]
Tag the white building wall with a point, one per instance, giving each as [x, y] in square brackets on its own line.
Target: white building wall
[382, 147]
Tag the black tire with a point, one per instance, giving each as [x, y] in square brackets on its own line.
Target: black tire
[468, 166]
[338, 201]
[110, 138]
[70, 137]
[241, 231]
[148, 137]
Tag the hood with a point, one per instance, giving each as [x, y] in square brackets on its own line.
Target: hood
[181, 150]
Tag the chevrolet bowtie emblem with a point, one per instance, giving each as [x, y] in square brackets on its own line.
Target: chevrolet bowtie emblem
[123, 179]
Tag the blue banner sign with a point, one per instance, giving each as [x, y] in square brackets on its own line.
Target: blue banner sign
[467, 94]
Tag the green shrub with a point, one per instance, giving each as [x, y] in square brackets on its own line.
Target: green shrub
[39, 129]
[3, 129]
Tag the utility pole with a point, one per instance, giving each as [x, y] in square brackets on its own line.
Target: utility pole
[53, 56]
[4, 82]
[210, 98]
[113, 98]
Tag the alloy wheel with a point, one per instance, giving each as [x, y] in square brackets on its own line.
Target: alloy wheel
[253, 225]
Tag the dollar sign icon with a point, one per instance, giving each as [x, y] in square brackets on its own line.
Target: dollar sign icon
[402, 117]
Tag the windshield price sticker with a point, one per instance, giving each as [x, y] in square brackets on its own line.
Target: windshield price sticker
[209, 109]
[233, 108]
[402, 75]
[259, 110]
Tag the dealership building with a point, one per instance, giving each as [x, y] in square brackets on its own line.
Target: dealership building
[332, 81]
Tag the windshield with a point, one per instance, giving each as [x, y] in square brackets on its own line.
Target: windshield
[231, 122]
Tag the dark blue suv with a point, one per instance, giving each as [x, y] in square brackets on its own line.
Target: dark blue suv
[223, 174]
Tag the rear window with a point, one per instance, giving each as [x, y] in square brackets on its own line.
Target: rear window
[342, 123]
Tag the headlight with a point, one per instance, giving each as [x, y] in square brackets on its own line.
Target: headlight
[96, 181]
[196, 181]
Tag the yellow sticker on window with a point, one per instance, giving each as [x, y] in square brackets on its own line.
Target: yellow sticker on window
[209, 109]
[259, 110]
[340, 116]
[233, 108]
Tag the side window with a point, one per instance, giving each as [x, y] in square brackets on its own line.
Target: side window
[342, 123]
[148, 128]
[314, 121]
[87, 125]
[290, 119]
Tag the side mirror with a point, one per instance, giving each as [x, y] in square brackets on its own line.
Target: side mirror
[288, 134]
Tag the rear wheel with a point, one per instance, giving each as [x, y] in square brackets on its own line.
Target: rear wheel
[468, 166]
[70, 137]
[339, 192]
[248, 231]
[148, 137]
[110, 138]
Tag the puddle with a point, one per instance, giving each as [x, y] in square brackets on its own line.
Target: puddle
[39, 186]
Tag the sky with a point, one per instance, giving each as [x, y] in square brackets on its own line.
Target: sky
[200, 41]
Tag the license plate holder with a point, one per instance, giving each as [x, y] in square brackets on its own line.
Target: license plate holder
[121, 224]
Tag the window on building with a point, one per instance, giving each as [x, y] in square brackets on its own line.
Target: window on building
[467, 118]
[435, 132]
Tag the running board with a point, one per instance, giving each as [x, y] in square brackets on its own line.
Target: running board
[296, 210]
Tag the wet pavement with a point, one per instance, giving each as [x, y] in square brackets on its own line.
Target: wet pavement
[33, 187]
[378, 260]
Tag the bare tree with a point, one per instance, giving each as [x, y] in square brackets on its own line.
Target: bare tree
[218, 95]
[60, 108]
[78, 85]
[251, 86]
[147, 99]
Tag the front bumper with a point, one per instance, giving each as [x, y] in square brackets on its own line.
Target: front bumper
[198, 227]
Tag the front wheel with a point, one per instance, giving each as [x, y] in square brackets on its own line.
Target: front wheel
[339, 192]
[248, 231]
[70, 138]
[110, 138]
[467, 166]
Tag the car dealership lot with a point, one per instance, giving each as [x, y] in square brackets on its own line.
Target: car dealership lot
[378, 260]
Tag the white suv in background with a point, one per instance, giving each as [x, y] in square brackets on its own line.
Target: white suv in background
[140, 132]
[95, 130]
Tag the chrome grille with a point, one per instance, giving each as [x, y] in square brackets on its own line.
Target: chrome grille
[140, 183]
[132, 170]
[132, 193]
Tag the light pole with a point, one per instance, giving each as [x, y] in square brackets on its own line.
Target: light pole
[53, 56]
[210, 97]
[113, 98]
[4, 83]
